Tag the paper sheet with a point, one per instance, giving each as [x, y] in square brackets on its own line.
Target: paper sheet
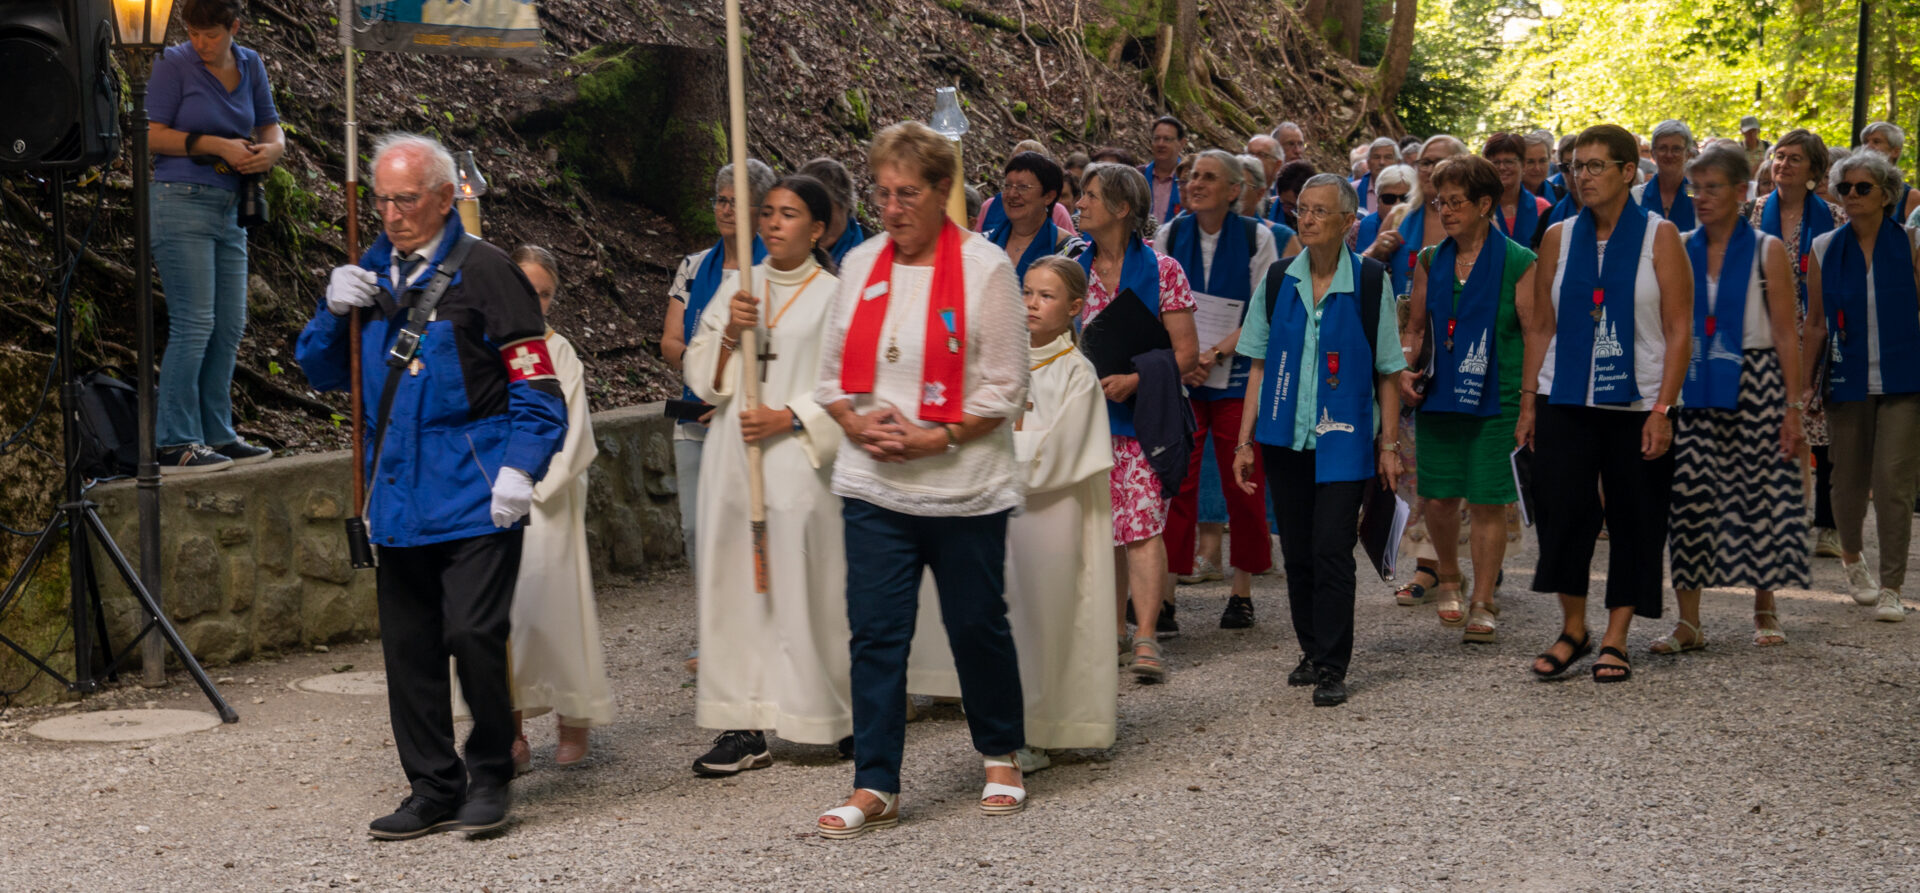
[1214, 318]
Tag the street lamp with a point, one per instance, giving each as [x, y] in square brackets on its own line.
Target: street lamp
[139, 31]
[949, 121]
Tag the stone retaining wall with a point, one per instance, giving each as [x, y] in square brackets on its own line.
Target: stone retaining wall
[255, 558]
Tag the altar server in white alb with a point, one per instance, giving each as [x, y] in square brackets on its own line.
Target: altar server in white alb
[776, 662]
[1059, 576]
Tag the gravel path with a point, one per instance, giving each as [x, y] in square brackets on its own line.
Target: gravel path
[1451, 769]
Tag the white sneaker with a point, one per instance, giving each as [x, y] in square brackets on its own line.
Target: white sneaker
[1889, 609]
[1860, 582]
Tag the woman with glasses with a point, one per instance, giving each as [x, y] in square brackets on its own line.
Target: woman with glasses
[1407, 229]
[1382, 153]
[702, 275]
[1320, 334]
[1027, 231]
[1606, 356]
[1738, 517]
[1521, 214]
[1792, 213]
[1119, 260]
[1665, 193]
[1393, 190]
[1536, 167]
[1464, 302]
[924, 366]
[1253, 203]
[1863, 287]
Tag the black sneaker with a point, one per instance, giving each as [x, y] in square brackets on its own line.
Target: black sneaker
[1330, 691]
[734, 752]
[844, 746]
[193, 458]
[416, 817]
[484, 811]
[244, 453]
[1166, 627]
[1239, 613]
[1303, 675]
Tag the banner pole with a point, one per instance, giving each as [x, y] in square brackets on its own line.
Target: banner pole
[353, 254]
[744, 215]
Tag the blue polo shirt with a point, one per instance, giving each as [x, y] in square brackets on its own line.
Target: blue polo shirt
[187, 97]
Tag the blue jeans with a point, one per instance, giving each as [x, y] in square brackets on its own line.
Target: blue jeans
[686, 481]
[968, 556]
[200, 251]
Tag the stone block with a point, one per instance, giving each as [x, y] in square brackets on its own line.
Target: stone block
[276, 616]
[274, 548]
[327, 614]
[624, 548]
[322, 555]
[197, 581]
[218, 502]
[234, 536]
[241, 582]
[216, 640]
[323, 504]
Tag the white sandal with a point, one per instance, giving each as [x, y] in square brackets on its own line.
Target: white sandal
[1771, 630]
[855, 821]
[1671, 644]
[993, 789]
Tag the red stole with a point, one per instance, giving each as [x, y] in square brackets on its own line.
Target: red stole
[943, 367]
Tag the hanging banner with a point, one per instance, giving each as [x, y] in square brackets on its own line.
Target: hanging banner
[447, 27]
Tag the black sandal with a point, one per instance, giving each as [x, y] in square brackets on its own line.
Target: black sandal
[1413, 594]
[1622, 673]
[1580, 649]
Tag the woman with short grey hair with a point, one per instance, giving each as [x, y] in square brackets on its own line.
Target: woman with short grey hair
[1416, 224]
[1665, 192]
[1536, 166]
[1888, 139]
[1862, 286]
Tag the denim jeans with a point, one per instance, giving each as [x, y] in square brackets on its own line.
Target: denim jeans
[888, 554]
[200, 251]
[686, 481]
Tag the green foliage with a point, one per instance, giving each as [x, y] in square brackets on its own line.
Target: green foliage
[1452, 76]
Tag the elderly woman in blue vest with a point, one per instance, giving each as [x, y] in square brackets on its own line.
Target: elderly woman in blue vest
[1665, 193]
[1416, 223]
[843, 230]
[1861, 288]
[1888, 140]
[1322, 337]
[1393, 188]
[1536, 166]
[1738, 517]
[213, 122]
[1464, 301]
[702, 275]
[1223, 255]
[1118, 260]
[1030, 187]
[1382, 153]
[1605, 359]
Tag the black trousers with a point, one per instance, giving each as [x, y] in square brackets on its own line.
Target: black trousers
[1319, 526]
[1581, 452]
[453, 600]
[1823, 489]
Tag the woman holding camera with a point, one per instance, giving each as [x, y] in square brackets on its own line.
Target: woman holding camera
[214, 132]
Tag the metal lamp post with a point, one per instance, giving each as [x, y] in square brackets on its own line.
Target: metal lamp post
[139, 31]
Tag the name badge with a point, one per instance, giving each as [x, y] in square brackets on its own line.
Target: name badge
[873, 291]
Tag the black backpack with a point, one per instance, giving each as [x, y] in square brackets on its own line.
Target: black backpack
[108, 416]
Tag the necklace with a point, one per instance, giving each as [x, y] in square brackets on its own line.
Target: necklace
[767, 299]
[893, 330]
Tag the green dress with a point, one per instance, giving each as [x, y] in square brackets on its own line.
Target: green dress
[1468, 456]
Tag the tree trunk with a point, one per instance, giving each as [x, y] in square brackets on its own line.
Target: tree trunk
[1177, 88]
[1314, 12]
[1350, 14]
[1393, 68]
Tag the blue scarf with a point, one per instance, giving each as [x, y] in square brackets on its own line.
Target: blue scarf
[1526, 218]
[1362, 186]
[1565, 209]
[1682, 211]
[1283, 235]
[1465, 356]
[850, 237]
[1896, 323]
[706, 281]
[1343, 447]
[1041, 246]
[1558, 182]
[1229, 278]
[1815, 218]
[1549, 190]
[1613, 283]
[1140, 274]
[1412, 230]
[1713, 373]
[1173, 195]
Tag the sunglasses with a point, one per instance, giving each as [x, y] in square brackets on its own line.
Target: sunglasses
[1860, 189]
[1389, 199]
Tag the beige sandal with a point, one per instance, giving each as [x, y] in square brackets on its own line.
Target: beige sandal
[1483, 625]
[854, 821]
[1769, 629]
[1671, 644]
[1018, 794]
[1451, 587]
[1148, 665]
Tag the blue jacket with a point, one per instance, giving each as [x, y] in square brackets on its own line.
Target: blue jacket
[484, 396]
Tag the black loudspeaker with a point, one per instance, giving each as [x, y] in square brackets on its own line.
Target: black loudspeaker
[62, 99]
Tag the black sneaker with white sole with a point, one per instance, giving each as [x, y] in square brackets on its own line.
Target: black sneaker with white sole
[194, 458]
[734, 752]
[416, 817]
[244, 453]
[1166, 627]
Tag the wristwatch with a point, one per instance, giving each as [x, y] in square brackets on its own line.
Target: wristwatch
[1665, 409]
[953, 440]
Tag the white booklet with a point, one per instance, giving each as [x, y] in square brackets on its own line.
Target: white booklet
[1214, 318]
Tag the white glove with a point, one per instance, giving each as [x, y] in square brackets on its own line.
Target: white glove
[512, 496]
[349, 287]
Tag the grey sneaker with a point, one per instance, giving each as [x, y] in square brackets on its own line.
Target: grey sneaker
[1826, 542]
[1204, 571]
[1889, 609]
[193, 458]
[244, 453]
[1860, 582]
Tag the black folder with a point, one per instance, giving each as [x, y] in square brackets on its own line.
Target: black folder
[1523, 482]
[1126, 329]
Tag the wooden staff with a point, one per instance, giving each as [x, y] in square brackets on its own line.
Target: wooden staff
[743, 215]
[353, 256]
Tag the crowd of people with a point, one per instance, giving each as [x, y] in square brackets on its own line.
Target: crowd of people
[988, 439]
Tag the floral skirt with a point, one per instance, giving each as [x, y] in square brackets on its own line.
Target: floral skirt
[1139, 512]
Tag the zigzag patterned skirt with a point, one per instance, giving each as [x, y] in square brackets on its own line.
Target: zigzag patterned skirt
[1738, 515]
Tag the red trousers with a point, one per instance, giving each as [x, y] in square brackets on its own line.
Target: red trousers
[1248, 547]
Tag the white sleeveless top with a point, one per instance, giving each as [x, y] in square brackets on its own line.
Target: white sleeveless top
[1756, 328]
[1649, 339]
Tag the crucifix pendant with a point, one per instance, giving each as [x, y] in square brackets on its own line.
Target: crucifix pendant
[1597, 313]
[414, 367]
[1333, 381]
[893, 351]
[766, 356]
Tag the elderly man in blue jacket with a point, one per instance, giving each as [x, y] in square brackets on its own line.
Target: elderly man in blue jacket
[475, 414]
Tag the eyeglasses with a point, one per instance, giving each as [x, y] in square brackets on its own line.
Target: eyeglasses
[1427, 164]
[1506, 164]
[1389, 199]
[1789, 158]
[1594, 167]
[723, 202]
[1012, 188]
[1454, 204]
[1316, 213]
[1859, 189]
[1713, 189]
[908, 196]
[405, 202]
